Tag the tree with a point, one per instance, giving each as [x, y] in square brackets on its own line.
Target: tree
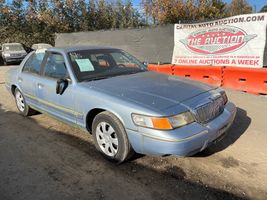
[16, 17]
[4, 12]
[173, 11]
[34, 21]
[17, 12]
[4, 18]
[164, 11]
[264, 9]
[83, 16]
[92, 15]
[210, 9]
[103, 20]
[70, 15]
[238, 7]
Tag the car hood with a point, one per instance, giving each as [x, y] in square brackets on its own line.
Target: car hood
[154, 90]
[15, 52]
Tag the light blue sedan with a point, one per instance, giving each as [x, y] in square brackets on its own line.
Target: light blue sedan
[128, 109]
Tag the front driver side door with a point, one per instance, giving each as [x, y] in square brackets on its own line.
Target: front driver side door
[60, 106]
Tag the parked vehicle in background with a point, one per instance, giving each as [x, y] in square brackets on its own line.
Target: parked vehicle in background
[127, 108]
[12, 53]
[41, 46]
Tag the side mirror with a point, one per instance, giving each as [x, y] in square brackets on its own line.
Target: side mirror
[145, 63]
[62, 84]
[29, 50]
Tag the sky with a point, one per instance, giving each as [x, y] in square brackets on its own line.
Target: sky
[258, 3]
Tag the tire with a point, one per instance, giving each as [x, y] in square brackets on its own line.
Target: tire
[5, 63]
[110, 137]
[21, 104]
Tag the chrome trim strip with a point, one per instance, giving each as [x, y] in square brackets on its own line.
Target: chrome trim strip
[67, 110]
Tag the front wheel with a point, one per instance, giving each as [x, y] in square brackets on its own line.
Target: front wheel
[22, 106]
[110, 137]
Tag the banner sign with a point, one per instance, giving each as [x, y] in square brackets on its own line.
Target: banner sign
[236, 41]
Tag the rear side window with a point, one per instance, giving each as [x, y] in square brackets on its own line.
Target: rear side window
[33, 64]
[55, 66]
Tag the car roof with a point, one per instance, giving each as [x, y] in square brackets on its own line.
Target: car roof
[78, 48]
[40, 43]
[11, 44]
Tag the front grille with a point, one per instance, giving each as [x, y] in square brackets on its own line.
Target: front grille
[210, 110]
[16, 55]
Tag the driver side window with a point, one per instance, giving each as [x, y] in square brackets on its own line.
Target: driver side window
[55, 67]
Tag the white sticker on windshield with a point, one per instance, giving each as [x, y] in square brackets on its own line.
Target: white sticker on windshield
[85, 65]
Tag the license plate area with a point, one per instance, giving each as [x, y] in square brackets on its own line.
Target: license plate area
[221, 133]
[222, 130]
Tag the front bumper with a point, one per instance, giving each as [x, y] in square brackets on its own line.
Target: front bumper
[14, 59]
[183, 141]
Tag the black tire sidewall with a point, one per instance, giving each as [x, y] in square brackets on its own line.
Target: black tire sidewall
[123, 143]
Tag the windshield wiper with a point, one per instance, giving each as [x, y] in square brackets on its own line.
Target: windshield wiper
[128, 73]
[135, 72]
[112, 75]
[97, 78]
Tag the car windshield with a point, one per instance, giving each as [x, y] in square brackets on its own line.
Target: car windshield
[103, 63]
[13, 47]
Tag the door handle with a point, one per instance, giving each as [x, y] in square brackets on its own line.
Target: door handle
[40, 86]
[20, 79]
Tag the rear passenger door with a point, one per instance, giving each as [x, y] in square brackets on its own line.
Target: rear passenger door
[28, 77]
[60, 106]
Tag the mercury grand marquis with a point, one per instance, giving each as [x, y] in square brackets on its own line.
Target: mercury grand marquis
[125, 107]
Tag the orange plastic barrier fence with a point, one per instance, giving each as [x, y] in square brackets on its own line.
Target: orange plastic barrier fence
[211, 75]
[246, 79]
[166, 69]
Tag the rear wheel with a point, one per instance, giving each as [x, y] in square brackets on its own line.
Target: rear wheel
[110, 137]
[22, 106]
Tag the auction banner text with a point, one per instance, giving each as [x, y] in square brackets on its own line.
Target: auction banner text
[235, 41]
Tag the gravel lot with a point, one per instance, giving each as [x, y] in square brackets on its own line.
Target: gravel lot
[41, 158]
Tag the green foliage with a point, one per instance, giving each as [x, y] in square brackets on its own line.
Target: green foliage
[264, 9]
[37, 21]
[173, 11]
[238, 7]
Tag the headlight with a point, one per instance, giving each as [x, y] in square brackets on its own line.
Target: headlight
[163, 123]
[181, 119]
[6, 54]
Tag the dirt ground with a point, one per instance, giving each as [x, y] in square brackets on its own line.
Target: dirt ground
[41, 158]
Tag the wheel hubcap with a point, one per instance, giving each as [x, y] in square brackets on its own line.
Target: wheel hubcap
[20, 101]
[107, 139]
